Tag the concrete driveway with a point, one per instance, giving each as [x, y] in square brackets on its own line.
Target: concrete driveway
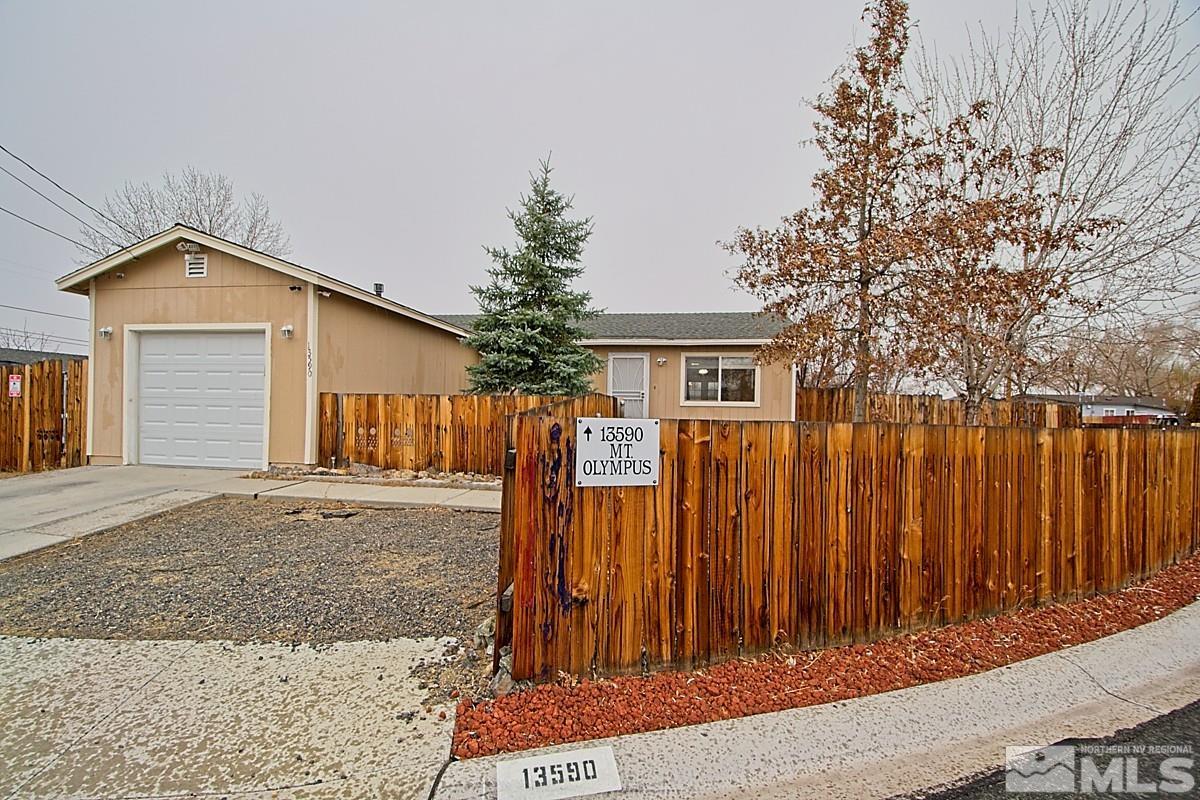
[45, 508]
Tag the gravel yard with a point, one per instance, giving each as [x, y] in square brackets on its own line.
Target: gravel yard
[245, 570]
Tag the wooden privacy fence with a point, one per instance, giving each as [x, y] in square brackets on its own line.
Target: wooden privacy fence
[761, 533]
[449, 433]
[837, 405]
[46, 427]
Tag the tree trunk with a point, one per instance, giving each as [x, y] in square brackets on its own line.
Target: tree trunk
[972, 401]
[862, 364]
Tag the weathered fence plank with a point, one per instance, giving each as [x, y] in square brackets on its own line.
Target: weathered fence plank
[837, 405]
[45, 427]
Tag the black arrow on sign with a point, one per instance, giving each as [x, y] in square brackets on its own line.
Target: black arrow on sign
[588, 432]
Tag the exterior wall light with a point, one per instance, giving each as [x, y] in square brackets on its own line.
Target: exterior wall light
[105, 332]
[287, 331]
[662, 361]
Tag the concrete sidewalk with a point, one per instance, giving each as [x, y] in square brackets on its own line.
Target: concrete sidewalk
[365, 494]
[46, 508]
[908, 740]
[85, 718]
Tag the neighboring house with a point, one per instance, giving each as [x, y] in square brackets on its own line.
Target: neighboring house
[15, 357]
[1111, 409]
[207, 353]
[687, 365]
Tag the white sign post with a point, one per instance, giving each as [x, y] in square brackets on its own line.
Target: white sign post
[616, 452]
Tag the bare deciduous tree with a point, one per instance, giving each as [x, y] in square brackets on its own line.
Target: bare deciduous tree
[1111, 88]
[203, 200]
[25, 339]
[1151, 357]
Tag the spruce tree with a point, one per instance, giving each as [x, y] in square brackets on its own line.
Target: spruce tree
[528, 332]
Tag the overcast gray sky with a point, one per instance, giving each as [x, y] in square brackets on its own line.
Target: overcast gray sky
[390, 137]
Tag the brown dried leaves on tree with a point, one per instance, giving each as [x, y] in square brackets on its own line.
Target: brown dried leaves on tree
[834, 271]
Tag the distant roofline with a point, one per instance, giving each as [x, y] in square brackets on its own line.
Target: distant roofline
[1094, 399]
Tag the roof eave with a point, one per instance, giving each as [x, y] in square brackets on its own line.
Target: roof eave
[612, 342]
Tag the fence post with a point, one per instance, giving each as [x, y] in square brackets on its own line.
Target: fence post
[339, 452]
[26, 445]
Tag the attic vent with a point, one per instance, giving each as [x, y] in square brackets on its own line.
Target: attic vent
[195, 265]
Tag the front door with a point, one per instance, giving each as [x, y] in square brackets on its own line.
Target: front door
[628, 376]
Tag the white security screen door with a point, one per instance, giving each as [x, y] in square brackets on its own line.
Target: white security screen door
[627, 379]
[201, 398]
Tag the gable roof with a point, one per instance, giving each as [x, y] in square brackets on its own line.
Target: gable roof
[73, 281]
[13, 355]
[739, 327]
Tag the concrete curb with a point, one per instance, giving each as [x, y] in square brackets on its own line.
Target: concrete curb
[906, 740]
[30, 540]
[373, 496]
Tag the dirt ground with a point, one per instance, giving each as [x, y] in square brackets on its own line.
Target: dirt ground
[245, 570]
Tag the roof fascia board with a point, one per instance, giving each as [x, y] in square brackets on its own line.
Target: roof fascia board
[608, 342]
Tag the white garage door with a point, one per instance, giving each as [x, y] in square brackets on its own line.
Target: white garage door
[200, 399]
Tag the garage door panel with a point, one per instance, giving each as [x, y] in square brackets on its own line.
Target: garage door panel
[202, 399]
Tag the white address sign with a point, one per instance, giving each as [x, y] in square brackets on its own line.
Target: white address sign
[616, 452]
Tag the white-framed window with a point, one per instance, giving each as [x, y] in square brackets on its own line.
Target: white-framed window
[720, 380]
[195, 265]
[1110, 412]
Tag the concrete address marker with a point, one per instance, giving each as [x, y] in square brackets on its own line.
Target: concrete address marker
[550, 776]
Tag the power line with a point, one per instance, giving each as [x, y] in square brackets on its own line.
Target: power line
[38, 192]
[65, 190]
[19, 340]
[47, 313]
[38, 335]
[43, 227]
[28, 266]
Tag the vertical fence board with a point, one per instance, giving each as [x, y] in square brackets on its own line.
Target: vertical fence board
[754, 547]
[784, 543]
[725, 521]
[660, 553]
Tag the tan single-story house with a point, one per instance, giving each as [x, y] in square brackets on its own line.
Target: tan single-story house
[687, 365]
[206, 353]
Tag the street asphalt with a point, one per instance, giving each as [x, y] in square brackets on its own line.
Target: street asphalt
[1180, 728]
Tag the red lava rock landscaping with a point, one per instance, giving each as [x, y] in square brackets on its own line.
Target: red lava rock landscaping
[571, 711]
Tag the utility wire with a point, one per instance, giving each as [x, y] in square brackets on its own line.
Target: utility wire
[65, 190]
[38, 192]
[47, 313]
[42, 335]
[43, 227]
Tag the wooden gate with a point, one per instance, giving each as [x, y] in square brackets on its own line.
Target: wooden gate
[45, 425]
